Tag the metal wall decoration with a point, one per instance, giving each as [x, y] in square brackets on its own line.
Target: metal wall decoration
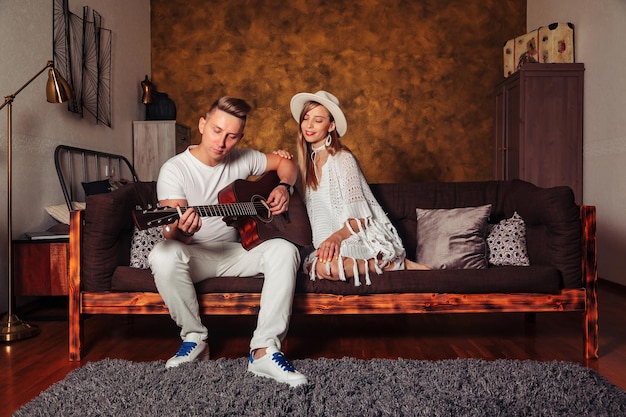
[82, 53]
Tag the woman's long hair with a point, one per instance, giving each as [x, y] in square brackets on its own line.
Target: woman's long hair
[305, 163]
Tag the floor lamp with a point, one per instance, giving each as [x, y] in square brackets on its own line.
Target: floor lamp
[57, 91]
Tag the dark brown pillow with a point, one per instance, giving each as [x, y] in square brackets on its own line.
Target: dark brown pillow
[107, 232]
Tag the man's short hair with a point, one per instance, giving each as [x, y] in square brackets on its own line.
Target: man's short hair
[234, 106]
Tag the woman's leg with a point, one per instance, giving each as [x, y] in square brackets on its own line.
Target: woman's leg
[348, 267]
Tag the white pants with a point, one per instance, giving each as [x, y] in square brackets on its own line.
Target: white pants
[177, 266]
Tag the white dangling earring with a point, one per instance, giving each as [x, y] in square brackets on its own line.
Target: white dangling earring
[329, 140]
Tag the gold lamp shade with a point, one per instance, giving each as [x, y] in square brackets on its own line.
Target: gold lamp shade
[57, 89]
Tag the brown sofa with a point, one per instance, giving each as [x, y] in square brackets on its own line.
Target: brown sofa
[561, 244]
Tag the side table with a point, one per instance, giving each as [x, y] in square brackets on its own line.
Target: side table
[40, 267]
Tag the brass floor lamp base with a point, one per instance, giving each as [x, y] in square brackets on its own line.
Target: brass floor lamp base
[12, 329]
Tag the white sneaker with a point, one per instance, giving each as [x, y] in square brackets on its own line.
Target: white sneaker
[274, 365]
[192, 347]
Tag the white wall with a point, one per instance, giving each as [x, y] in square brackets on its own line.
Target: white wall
[599, 33]
[38, 127]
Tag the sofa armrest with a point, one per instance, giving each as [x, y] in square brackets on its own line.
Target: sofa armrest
[77, 219]
[589, 249]
[590, 278]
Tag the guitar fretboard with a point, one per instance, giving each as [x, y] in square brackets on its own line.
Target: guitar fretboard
[233, 209]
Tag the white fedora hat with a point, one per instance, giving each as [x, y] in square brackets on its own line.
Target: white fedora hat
[325, 99]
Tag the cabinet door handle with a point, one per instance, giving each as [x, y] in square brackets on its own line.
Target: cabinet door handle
[503, 149]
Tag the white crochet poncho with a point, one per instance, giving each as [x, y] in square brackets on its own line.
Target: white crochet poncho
[343, 194]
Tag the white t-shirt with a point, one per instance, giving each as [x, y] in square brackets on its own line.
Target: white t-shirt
[185, 177]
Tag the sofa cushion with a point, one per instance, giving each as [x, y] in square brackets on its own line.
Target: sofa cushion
[553, 239]
[506, 242]
[553, 228]
[107, 232]
[499, 279]
[452, 238]
[399, 200]
[128, 278]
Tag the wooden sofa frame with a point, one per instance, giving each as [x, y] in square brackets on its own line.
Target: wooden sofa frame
[583, 300]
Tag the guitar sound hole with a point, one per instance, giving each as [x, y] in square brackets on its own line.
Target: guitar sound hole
[262, 208]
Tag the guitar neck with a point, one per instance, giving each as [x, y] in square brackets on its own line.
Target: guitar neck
[150, 218]
[231, 209]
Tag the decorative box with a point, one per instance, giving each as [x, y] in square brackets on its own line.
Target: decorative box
[553, 43]
[526, 48]
[509, 57]
[556, 43]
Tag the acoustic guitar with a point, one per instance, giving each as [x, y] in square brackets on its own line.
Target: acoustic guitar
[243, 205]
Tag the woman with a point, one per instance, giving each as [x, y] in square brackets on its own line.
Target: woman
[352, 235]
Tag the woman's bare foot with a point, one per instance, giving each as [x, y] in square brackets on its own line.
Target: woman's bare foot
[409, 264]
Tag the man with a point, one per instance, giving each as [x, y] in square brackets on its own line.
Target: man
[196, 248]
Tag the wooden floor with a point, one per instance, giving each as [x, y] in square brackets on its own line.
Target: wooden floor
[30, 366]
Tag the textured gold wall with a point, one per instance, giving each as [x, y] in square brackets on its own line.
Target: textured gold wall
[415, 78]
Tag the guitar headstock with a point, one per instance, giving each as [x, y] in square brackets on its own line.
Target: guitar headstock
[145, 219]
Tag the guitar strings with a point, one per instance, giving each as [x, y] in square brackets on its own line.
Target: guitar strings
[243, 208]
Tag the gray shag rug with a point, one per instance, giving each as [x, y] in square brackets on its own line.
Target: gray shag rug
[337, 387]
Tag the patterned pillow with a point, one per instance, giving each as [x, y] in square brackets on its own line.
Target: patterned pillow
[507, 242]
[142, 243]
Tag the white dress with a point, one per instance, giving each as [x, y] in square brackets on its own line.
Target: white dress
[344, 194]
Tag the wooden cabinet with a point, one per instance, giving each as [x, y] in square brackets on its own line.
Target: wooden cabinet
[40, 267]
[539, 126]
[154, 142]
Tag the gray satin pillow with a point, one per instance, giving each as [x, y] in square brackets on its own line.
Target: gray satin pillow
[452, 238]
